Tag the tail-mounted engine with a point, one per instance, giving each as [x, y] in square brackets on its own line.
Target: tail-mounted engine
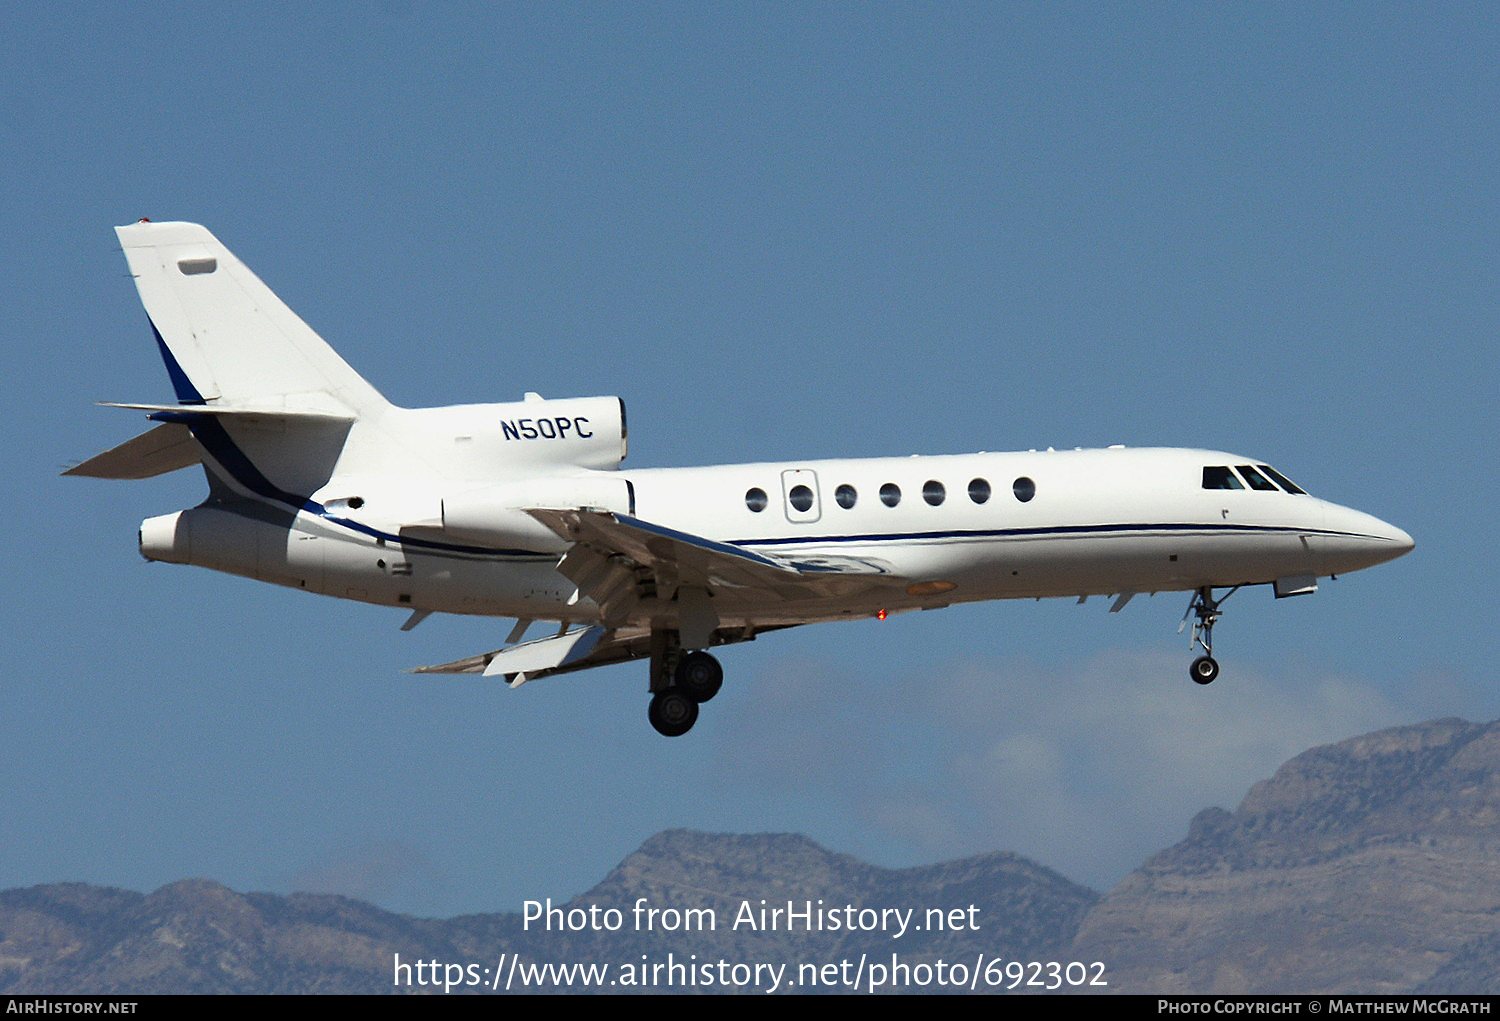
[496, 515]
[586, 432]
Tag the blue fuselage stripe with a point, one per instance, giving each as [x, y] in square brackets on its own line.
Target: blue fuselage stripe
[1174, 527]
[216, 441]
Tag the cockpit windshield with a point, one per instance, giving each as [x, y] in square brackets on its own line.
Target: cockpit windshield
[1261, 477]
[1283, 481]
[1256, 479]
[1220, 477]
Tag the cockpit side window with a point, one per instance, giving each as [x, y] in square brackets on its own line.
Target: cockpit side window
[1286, 483]
[1220, 477]
[1256, 479]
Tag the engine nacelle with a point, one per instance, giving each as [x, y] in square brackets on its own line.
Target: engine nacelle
[168, 538]
[496, 515]
[585, 431]
[222, 540]
[478, 442]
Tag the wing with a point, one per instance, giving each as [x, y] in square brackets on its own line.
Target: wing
[608, 554]
[564, 652]
[605, 544]
[578, 649]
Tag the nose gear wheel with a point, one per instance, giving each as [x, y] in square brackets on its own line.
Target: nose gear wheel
[1206, 609]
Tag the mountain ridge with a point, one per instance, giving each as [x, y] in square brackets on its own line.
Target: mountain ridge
[1368, 865]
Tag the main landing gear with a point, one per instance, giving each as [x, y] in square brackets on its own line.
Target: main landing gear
[1205, 668]
[678, 689]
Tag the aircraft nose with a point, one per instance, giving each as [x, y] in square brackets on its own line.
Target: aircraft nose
[1386, 536]
[1401, 542]
[1357, 539]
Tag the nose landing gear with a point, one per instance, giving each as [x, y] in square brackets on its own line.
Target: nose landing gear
[1205, 668]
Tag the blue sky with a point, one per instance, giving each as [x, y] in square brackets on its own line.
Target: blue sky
[778, 231]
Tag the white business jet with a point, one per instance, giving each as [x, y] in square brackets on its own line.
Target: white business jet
[521, 510]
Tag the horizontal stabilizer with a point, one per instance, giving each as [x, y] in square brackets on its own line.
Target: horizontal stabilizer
[163, 449]
[308, 407]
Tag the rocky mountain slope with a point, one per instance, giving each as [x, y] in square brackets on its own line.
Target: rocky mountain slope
[1369, 866]
[199, 937]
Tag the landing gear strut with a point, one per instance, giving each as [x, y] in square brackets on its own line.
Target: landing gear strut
[680, 682]
[1205, 668]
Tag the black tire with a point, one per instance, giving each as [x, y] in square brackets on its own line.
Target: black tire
[699, 676]
[1204, 669]
[672, 713]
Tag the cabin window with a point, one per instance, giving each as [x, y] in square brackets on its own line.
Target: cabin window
[801, 498]
[846, 496]
[1024, 489]
[1286, 483]
[1256, 479]
[979, 490]
[890, 494]
[1220, 477]
[756, 499]
[933, 492]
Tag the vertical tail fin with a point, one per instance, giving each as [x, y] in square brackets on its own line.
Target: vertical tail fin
[225, 336]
